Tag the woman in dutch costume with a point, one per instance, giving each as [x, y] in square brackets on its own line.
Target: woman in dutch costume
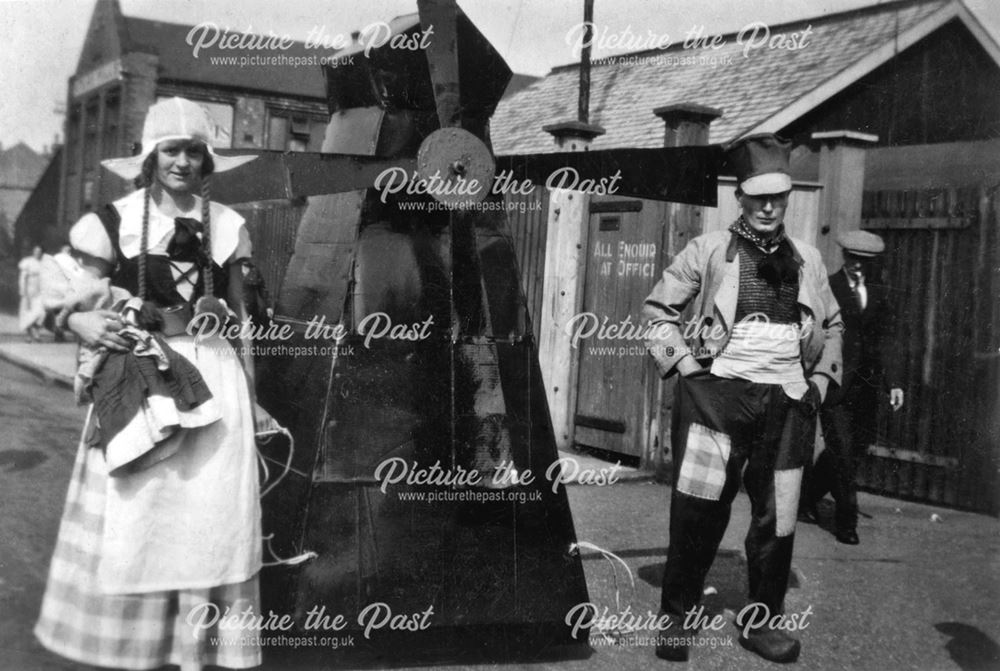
[161, 530]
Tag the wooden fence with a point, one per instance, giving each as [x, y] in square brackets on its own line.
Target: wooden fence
[942, 263]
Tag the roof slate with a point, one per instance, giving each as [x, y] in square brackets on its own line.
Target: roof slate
[177, 62]
[749, 89]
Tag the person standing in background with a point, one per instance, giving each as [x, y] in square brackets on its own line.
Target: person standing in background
[29, 286]
[849, 414]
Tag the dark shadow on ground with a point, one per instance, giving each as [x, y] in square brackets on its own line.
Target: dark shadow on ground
[970, 648]
[726, 582]
[20, 460]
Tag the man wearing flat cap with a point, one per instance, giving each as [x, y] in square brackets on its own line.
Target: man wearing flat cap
[763, 346]
[848, 415]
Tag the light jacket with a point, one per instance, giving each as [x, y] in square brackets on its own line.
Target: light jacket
[706, 276]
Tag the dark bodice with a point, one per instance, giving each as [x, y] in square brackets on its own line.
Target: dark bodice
[161, 287]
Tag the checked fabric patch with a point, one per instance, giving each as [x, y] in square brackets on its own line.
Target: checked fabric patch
[703, 471]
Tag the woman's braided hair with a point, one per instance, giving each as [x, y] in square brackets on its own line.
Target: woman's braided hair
[208, 276]
[144, 242]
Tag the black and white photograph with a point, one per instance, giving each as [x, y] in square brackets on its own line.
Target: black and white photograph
[500, 334]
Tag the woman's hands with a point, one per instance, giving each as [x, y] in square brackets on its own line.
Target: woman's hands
[98, 328]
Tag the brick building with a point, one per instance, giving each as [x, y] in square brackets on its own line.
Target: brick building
[128, 63]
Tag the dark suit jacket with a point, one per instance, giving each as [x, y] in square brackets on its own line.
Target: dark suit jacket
[867, 348]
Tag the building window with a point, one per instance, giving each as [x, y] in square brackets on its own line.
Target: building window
[112, 121]
[90, 135]
[287, 131]
[88, 195]
[222, 116]
[277, 132]
[73, 134]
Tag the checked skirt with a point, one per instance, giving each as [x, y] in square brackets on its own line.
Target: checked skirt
[131, 631]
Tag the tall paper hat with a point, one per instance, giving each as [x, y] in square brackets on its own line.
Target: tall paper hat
[760, 163]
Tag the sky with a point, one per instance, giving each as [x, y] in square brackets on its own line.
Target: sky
[42, 38]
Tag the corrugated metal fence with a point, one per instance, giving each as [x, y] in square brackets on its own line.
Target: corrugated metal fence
[272, 226]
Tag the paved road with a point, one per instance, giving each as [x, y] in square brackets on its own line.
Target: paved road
[41, 425]
[917, 594]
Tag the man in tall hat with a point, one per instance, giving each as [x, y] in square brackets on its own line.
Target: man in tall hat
[767, 337]
[849, 414]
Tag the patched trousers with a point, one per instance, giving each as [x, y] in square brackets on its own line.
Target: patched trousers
[723, 429]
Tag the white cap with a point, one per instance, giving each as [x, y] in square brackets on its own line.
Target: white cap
[174, 119]
[770, 182]
[90, 237]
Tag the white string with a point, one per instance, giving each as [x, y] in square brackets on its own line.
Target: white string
[611, 557]
[263, 464]
[264, 438]
[290, 561]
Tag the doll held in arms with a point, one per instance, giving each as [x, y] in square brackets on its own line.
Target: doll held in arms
[141, 396]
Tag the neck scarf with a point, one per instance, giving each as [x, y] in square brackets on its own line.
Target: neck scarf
[779, 265]
[743, 229]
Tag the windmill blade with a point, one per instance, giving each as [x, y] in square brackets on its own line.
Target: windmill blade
[292, 175]
[681, 174]
[439, 18]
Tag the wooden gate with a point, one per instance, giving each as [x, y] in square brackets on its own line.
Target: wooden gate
[942, 263]
[624, 245]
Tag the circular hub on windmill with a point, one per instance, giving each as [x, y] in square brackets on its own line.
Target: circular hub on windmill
[457, 166]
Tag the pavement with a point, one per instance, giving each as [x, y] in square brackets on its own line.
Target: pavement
[922, 591]
[51, 361]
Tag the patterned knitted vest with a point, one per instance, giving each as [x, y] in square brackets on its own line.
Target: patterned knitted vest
[779, 302]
